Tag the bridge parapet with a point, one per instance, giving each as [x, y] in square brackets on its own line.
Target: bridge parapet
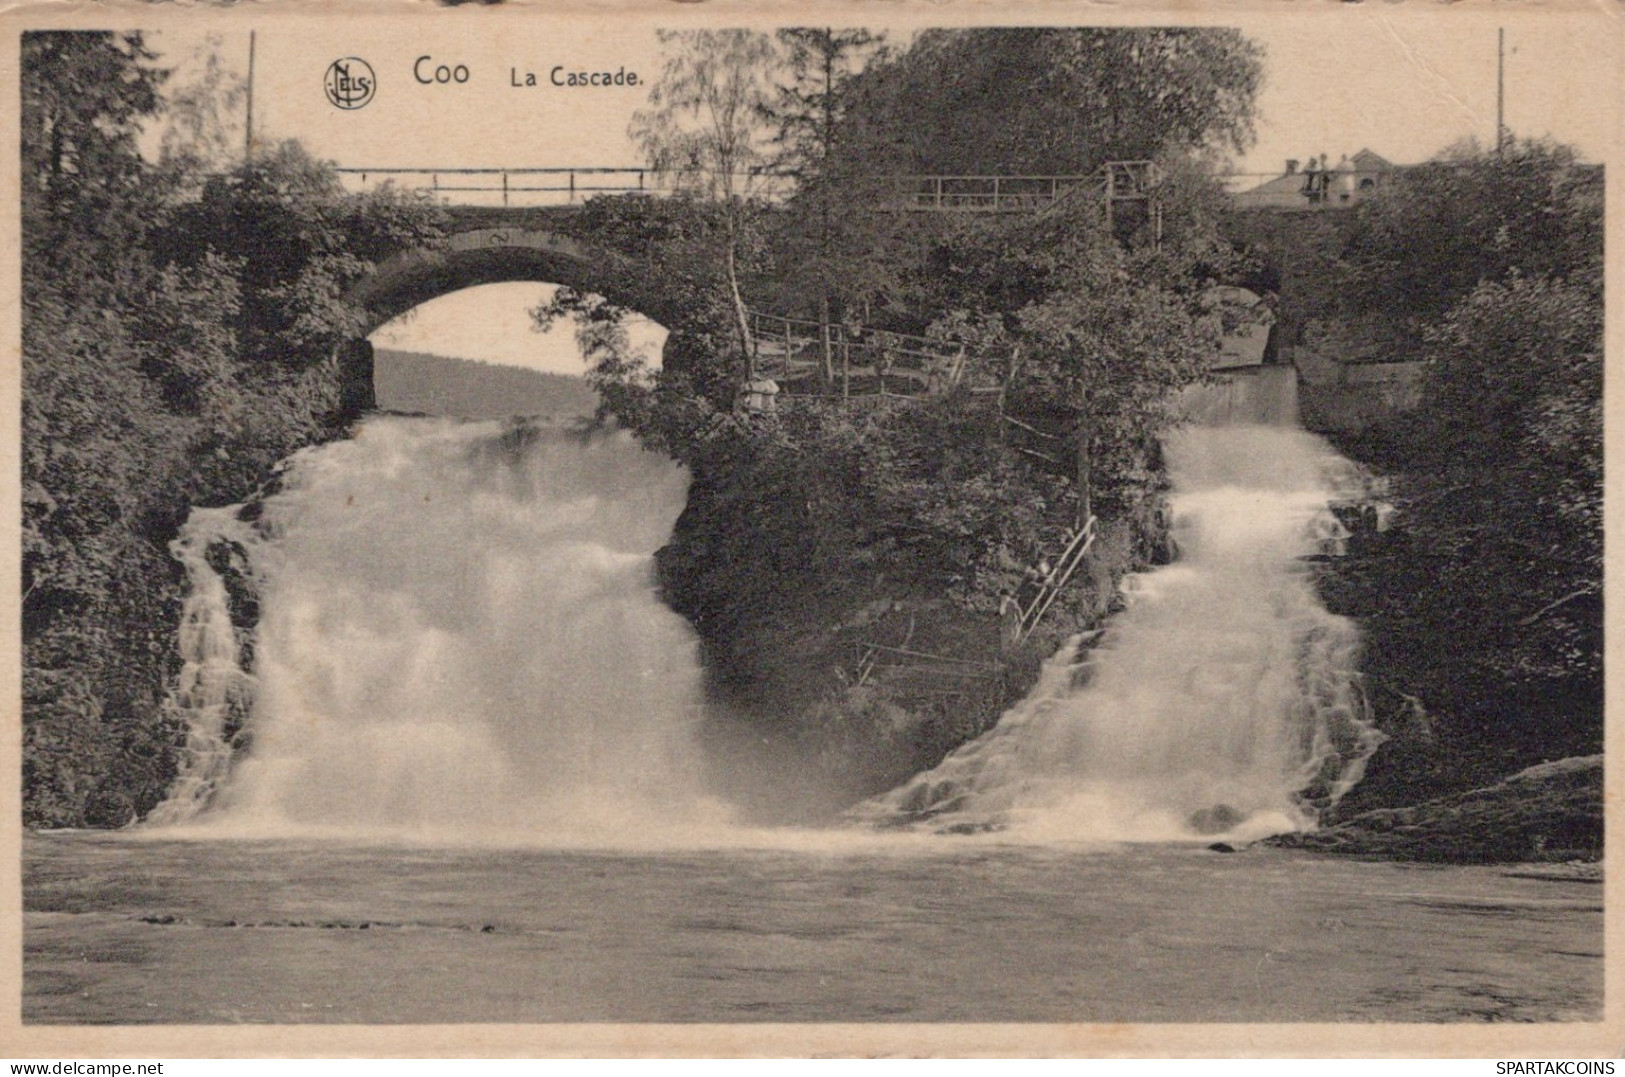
[1114, 182]
[515, 235]
[507, 187]
[518, 246]
[512, 219]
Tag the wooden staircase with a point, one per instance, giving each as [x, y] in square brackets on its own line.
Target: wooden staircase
[1049, 585]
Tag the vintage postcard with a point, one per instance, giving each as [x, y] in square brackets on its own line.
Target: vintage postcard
[926, 529]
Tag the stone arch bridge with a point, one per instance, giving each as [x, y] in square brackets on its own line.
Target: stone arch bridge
[489, 247]
[499, 244]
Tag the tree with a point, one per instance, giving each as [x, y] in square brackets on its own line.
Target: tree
[84, 98]
[1438, 230]
[1487, 268]
[203, 131]
[819, 530]
[1100, 337]
[93, 425]
[999, 102]
[809, 109]
[671, 245]
[705, 128]
[86, 214]
[826, 237]
[85, 197]
[296, 240]
[1047, 101]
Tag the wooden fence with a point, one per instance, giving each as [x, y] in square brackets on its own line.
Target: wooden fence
[808, 359]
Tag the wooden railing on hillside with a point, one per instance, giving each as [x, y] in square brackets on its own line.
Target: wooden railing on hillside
[924, 674]
[927, 674]
[809, 359]
[1049, 586]
[1114, 182]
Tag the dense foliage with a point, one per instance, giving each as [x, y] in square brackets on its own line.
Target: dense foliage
[1484, 601]
[178, 335]
[1417, 251]
[674, 248]
[997, 102]
[1047, 101]
[824, 528]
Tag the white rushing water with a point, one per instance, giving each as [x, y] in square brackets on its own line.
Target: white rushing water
[459, 633]
[1222, 700]
[459, 638]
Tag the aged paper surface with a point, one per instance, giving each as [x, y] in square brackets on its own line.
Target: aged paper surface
[514, 111]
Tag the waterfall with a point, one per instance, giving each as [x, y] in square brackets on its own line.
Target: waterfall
[214, 689]
[445, 629]
[1265, 395]
[458, 632]
[1223, 699]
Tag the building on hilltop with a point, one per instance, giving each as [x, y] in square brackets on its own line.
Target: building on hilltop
[1319, 185]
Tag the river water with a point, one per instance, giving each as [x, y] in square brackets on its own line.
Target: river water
[452, 773]
[122, 929]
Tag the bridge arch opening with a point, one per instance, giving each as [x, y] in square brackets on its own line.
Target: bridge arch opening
[477, 354]
[435, 315]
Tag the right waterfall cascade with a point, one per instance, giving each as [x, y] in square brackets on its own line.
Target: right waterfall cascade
[1224, 700]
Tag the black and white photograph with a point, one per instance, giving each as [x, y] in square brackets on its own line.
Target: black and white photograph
[905, 528]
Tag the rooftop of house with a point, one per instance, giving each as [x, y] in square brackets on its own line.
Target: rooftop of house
[1290, 187]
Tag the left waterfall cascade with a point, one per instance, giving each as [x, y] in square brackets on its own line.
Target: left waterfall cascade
[458, 631]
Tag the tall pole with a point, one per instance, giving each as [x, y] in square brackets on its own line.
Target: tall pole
[828, 107]
[1500, 90]
[248, 133]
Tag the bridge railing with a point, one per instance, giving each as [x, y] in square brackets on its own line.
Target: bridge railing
[1115, 181]
[528, 187]
[983, 194]
[507, 186]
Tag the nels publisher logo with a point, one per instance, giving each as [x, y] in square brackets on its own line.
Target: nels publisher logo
[350, 83]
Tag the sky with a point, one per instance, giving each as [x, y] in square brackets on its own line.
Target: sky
[1403, 80]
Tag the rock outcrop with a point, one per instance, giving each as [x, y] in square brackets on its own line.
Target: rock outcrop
[1550, 812]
